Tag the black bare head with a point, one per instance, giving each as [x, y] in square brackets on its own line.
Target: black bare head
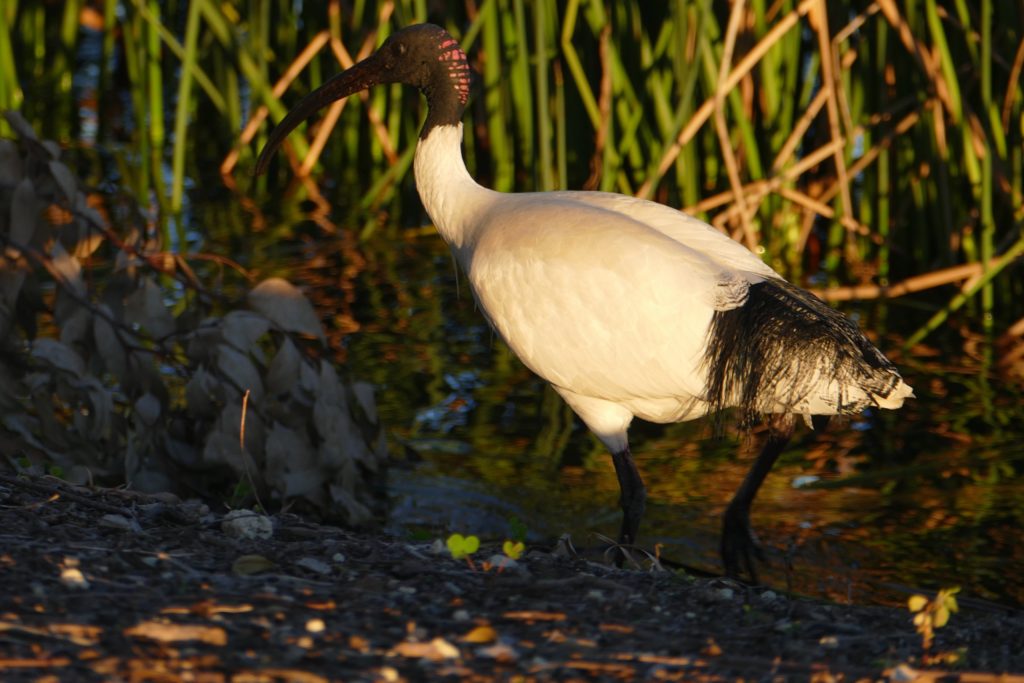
[424, 56]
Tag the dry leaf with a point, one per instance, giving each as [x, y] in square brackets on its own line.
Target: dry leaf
[148, 409]
[284, 369]
[65, 179]
[240, 369]
[59, 356]
[10, 163]
[24, 212]
[481, 634]
[174, 633]
[435, 650]
[69, 269]
[145, 306]
[241, 329]
[20, 126]
[286, 449]
[108, 345]
[76, 326]
[247, 565]
[286, 306]
[203, 393]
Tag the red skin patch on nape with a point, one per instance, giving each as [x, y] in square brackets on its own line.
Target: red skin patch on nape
[458, 67]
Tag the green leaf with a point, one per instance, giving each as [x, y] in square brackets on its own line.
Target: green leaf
[462, 546]
[513, 549]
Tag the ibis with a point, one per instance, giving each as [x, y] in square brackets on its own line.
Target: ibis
[627, 307]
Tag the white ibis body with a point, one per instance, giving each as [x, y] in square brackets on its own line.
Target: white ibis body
[627, 307]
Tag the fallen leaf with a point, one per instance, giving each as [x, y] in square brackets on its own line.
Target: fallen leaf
[481, 634]
[173, 633]
[436, 650]
[247, 565]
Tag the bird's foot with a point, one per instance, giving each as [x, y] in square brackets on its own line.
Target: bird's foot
[740, 546]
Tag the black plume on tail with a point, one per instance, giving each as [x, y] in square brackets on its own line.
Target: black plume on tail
[776, 351]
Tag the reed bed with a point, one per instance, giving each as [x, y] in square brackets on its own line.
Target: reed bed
[869, 150]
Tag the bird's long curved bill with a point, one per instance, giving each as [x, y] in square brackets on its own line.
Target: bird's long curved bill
[359, 77]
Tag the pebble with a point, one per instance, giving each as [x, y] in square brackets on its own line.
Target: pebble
[247, 524]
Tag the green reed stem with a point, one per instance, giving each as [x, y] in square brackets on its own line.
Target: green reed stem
[183, 106]
[546, 179]
[1013, 253]
[11, 95]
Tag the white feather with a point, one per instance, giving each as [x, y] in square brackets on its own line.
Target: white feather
[607, 297]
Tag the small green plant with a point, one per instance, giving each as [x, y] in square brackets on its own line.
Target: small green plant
[932, 614]
[462, 546]
[514, 549]
[517, 528]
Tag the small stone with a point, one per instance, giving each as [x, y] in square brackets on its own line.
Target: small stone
[119, 522]
[460, 615]
[903, 673]
[247, 524]
[500, 652]
[314, 565]
[72, 577]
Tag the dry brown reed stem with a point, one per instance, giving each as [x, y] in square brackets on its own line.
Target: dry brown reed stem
[1014, 330]
[928, 61]
[758, 186]
[731, 167]
[848, 58]
[869, 156]
[818, 19]
[822, 209]
[346, 61]
[967, 272]
[279, 88]
[789, 146]
[1013, 84]
[704, 112]
[323, 132]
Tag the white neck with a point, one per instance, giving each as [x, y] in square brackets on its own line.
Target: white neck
[450, 195]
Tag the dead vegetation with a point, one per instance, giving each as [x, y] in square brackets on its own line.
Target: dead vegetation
[121, 361]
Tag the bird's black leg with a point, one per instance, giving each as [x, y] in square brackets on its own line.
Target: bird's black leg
[739, 545]
[633, 495]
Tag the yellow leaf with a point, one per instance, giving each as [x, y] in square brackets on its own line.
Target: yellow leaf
[481, 634]
[941, 616]
[513, 549]
[948, 598]
[916, 603]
